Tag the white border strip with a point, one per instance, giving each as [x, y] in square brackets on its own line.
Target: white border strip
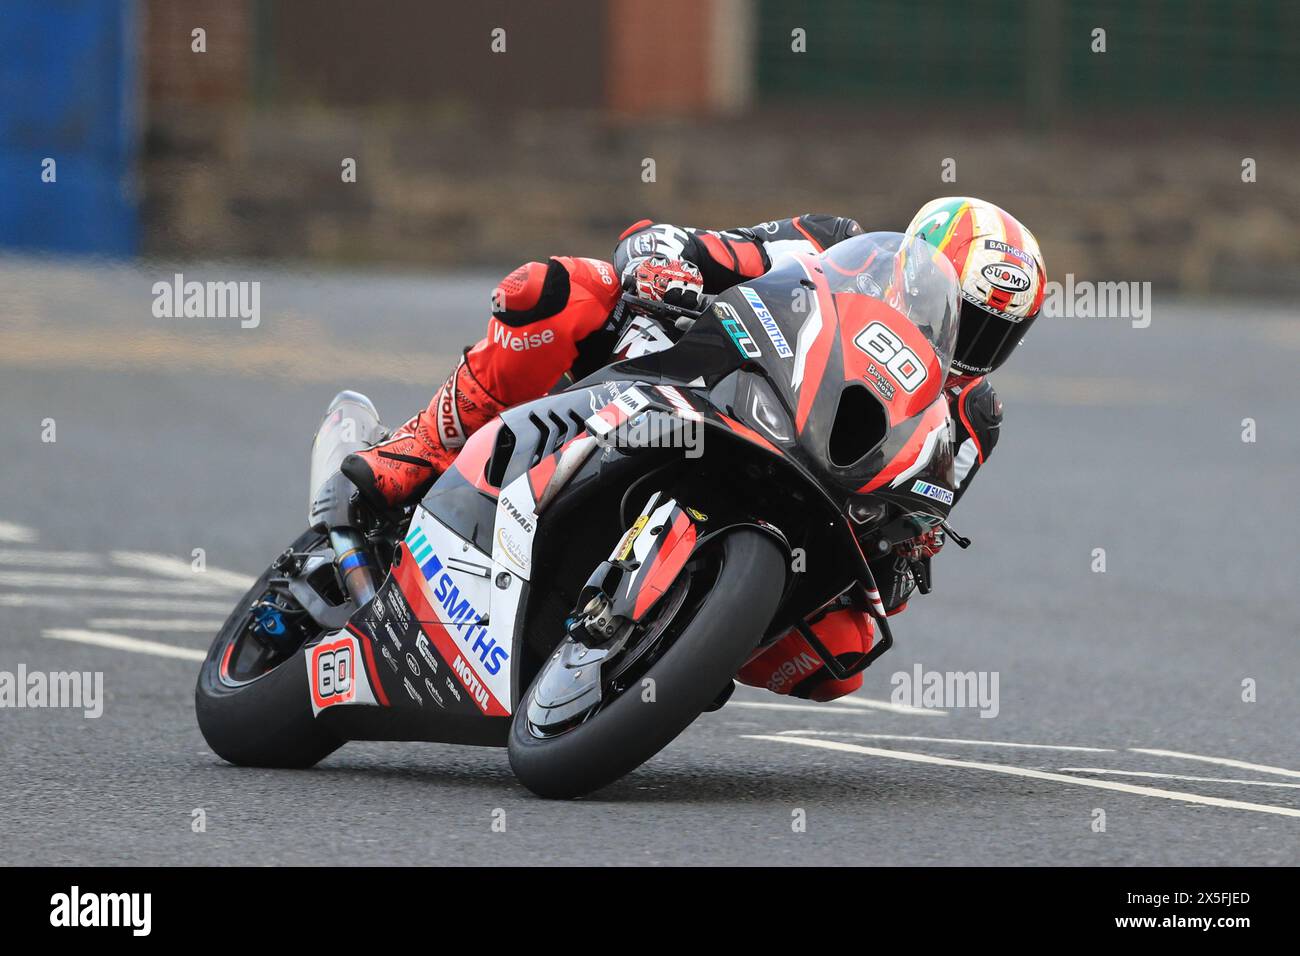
[1179, 776]
[945, 740]
[1221, 761]
[1129, 788]
[119, 643]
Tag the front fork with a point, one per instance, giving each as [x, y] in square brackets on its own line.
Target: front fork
[629, 584]
[617, 599]
[645, 562]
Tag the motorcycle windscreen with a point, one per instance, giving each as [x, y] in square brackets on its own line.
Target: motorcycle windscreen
[905, 273]
[879, 308]
[350, 424]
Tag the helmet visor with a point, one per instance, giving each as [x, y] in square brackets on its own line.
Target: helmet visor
[985, 338]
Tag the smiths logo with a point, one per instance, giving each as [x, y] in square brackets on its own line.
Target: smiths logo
[769, 324]
[934, 492]
[461, 616]
[422, 551]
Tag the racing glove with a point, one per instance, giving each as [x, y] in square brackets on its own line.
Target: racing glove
[671, 281]
[926, 546]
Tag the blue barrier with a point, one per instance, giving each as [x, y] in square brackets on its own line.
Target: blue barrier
[68, 93]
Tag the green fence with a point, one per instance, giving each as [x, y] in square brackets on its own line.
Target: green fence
[1021, 57]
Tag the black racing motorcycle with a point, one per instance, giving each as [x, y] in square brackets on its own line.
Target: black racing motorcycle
[598, 564]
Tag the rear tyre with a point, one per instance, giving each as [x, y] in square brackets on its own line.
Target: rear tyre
[723, 628]
[259, 719]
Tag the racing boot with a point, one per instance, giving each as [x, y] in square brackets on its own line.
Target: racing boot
[400, 469]
[791, 666]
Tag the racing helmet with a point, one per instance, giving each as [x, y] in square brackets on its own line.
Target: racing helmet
[1001, 272]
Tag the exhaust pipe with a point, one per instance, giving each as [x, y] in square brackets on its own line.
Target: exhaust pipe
[353, 564]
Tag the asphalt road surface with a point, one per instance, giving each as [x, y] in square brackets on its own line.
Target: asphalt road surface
[1146, 714]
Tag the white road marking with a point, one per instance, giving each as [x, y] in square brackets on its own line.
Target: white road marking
[944, 740]
[119, 642]
[98, 582]
[1221, 761]
[1011, 771]
[889, 705]
[16, 533]
[154, 624]
[66, 601]
[172, 567]
[1179, 776]
[809, 708]
[49, 559]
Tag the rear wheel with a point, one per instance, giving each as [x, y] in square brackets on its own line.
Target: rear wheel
[253, 698]
[704, 629]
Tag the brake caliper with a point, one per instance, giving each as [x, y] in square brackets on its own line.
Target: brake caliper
[268, 620]
[597, 618]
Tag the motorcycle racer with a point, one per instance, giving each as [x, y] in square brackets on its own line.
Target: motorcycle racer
[561, 317]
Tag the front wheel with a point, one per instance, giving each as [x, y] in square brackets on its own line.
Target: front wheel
[716, 614]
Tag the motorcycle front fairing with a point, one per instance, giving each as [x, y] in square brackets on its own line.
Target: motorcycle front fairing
[838, 361]
[835, 365]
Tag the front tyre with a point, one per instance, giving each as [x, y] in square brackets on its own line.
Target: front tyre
[712, 636]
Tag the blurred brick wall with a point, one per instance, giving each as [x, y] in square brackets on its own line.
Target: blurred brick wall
[1167, 205]
[432, 54]
[458, 166]
[669, 80]
[174, 74]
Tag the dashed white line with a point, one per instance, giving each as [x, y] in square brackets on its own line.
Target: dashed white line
[889, 705]
[65, 601]
[859, 704]
[943, 740]
[16, 533]
[23, 557]
[172, 567]
[1113, 785]
[100, 582]
[154, 624]
[806, 708]
[1221, 761]
[120, 642]
[1179, 776]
